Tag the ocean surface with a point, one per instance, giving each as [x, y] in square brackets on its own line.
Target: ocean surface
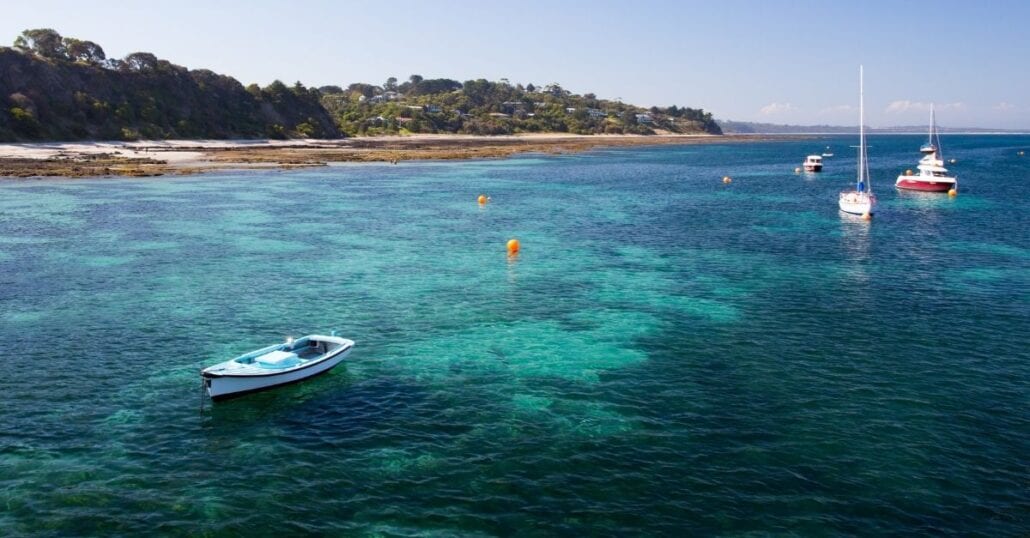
[668, 355]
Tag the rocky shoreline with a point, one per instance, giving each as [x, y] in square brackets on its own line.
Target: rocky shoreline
[178, 157]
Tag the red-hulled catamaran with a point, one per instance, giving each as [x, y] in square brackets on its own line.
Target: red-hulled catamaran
[932, 176]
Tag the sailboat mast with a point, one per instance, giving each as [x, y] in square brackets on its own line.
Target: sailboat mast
[935, 137]
[929, 139]
[861, 129]
[863, 158]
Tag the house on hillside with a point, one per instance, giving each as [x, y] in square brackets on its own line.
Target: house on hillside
[384, 97]
[596, 113]
[433, 109]
[644, 118]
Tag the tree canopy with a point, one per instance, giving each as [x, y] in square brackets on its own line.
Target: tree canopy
[482, 106]
[62, 88]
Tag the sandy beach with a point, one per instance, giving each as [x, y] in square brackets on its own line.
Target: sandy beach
[161, 157]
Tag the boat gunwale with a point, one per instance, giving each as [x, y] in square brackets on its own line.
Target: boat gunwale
[315, 362]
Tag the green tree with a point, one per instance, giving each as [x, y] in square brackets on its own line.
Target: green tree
[45, 42]
[141, 62]
[368, 90]
[84, 51]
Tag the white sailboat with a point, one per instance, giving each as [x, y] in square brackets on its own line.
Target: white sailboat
[860, 200]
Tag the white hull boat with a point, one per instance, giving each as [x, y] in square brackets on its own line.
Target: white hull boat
[857, 203]
[276, 365]
[860, 200]
[932, 176]
[813, 163]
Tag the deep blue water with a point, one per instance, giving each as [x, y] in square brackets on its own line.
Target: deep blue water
[668, 355]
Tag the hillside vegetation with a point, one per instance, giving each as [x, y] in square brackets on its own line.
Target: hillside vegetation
[489, 108]
[55, 88]
[61, 88]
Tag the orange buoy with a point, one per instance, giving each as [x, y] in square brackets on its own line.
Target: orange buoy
[908, 172]
[482, 199]
[953, 192]
[727, 179]
[867, 216]
[513, 246]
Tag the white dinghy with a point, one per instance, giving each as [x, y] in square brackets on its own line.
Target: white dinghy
[276, 365]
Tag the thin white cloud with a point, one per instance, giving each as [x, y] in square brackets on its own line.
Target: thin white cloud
[1003, 106]
[776, 108]
[897, 107]
[902, 106]
[839, 109]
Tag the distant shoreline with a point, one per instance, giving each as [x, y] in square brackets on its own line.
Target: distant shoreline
[182, 157]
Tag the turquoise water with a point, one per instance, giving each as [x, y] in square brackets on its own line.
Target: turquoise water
[668, 355]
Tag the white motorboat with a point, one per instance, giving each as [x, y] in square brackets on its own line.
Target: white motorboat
[276, 365]
[861, 200]
[932, 176]
[828, 152]
[813, 163]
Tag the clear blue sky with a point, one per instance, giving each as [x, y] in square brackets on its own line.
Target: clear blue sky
[781, 62]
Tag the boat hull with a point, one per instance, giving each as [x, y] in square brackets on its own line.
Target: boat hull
[813, 168]
[857, 204]
[231, 386]
[914, 184]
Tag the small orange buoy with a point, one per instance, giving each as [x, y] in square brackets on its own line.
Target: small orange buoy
[513, 246]
[953, 192]
[908, 172]
[867, 216]
[727, 179]
[482, 199]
